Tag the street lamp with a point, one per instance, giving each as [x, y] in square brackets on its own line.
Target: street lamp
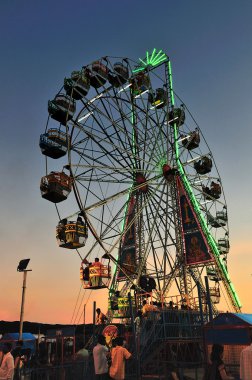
[22, 268]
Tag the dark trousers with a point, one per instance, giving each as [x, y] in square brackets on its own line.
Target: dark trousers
[103, 376]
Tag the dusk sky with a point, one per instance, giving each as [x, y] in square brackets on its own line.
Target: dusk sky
[210, 47]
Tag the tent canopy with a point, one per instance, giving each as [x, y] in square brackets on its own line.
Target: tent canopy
[229, 328]
[29, 340]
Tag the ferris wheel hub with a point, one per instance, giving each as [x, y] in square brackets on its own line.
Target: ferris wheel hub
[169, 172]
[141, 180]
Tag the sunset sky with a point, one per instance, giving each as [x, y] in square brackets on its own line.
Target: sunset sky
[210, 46]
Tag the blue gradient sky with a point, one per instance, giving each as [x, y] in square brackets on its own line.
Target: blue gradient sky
[209, 43]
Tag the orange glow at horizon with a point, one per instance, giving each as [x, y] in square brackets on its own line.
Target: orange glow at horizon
[52, 298]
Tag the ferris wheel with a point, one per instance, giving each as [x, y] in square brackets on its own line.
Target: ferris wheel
[148, 211]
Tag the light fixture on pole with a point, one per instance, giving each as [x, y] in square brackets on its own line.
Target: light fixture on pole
[22, 268]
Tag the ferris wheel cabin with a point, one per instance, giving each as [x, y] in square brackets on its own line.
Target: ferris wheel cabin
[221, 217]
[158, 98]
[119, 75]
[177, 116]
[191, 141]
[56, 186]
[95, 276]
[70, 234]
[53, 143]
[61, 108]
[98, 74]
[204, 165]
[140, 83]
[213, 192]
[78, 85]
[214, 293]
[212, 274]
[120, 306]
[223, 245]
[220, 220]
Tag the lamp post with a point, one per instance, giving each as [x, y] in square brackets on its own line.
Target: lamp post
[22, 268]
[84, 322]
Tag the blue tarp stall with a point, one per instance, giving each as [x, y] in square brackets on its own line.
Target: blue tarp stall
[29, 340]
[232, 331]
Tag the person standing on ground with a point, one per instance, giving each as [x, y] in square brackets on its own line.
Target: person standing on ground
[216, 370]
[119, 355]
[246, 361]
[100, 353]
[17, 354]
[7, 366]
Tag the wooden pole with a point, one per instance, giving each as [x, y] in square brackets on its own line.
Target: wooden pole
[22, 306]
[84, 322]
[94, 311]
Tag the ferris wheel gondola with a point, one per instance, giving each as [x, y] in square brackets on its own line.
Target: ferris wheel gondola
[145, 182]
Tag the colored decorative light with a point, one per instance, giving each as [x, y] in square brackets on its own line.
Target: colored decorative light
[151, 60]
[212, 243]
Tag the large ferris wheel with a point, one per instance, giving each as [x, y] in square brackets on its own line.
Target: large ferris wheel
[147, 198]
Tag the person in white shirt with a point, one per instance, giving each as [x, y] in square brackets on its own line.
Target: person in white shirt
[7, 366]
[100, 353]
[246, 361]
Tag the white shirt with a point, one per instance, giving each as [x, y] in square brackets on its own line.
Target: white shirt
[246, 363]
[100, 359]
[7, 367]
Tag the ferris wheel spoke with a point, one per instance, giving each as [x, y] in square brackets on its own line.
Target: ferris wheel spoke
[153, 135]
[103, 138]
[115, 138]
[116, 124]
[150, 233]
[143, 122]
[163, 240]
[107, 228]
[104, 145]
[166, 217]
[155, 258]
[89, 158]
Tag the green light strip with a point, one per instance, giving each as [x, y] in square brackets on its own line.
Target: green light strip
[159, 59]
[147, 58]
[144, 64]
[153, 53]
[156, 57]
[195, 204]
[153, 60]
[171, 85]
[138, 70]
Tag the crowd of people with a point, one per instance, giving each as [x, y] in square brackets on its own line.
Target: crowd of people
[12, 359]
[215, 370]
[109, 359]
